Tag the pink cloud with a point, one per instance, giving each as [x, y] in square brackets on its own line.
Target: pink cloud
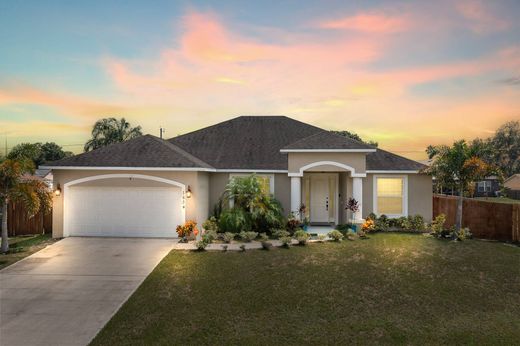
[369, 23]
[480, 17]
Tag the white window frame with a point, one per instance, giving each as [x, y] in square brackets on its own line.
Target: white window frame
[243, 175]
[486, 186]
[405, 194]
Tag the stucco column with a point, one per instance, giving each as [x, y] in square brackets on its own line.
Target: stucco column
[357, 194]
[296, 193]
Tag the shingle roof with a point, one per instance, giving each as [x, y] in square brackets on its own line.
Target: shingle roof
[327, 140]
[143, 151]
[383, 160]
[246, 142]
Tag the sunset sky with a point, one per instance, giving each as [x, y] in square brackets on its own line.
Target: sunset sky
[405, 74]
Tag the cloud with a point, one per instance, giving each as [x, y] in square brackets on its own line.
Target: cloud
[480, 16]
[369, 23]
[510, 81]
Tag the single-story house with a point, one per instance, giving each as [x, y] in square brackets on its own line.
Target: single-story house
[512, 186]
[145, 187]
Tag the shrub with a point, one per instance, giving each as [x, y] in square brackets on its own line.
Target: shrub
[210, 236]
[301, 236]
[322, 237]
[189, 228]
[211, 224]
[264, 240]
[280, 233]
[201, 244]
[243, 247]
[369, 225]
[343, 228]
[335, 235]
[263, 236]
[235, 220]
[224, 247]
[417, 222]
[463, 234]
[228, 237]
[286, 241]
[382, 224]
[263, 211]
[292, 224]
[372, 217]
[437, 226]
[362, 234]
[248, 236]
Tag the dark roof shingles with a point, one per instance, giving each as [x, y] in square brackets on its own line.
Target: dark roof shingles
[327, 140]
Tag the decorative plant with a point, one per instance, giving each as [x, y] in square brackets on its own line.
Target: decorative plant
[301, 236]
[352, 205]
[368, 226]
[224, 247]
[211, 224]
[286, 241]
[322, 237]
[335, 235]
[293, 223]
[264, 240]
[186, 230]
[202, 244]
[437, 226]
[228, 237]
[209, 235]
[280, 233]
[248, 236]
[463, 234]
[351, 235]
[243, 247]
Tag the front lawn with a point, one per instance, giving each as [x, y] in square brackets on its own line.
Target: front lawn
[391, 288]
[23, 246]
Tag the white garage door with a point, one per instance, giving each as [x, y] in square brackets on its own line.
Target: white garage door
[123, 211]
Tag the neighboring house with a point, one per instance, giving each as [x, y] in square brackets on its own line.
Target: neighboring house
[512, 186]
[145, 187]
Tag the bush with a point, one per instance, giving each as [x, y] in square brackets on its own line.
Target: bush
[344, 228]
[292, 224]
[369, 225]
[224, 247]
[417, 222]
[211, 224]
[264, 240]
[186, 230]
[382, 224]
[280, 233]
[243, 247]
[335, 235]
[201, 244]
[248, 236]
[235, 220]
[210, 236]
[301, 236]
[263, 211]
[322, 237]
[286, 241]
[228, 237]
[463, 234]
[437, 226]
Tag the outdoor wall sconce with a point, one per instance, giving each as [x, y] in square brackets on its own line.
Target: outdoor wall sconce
[57, 192]
[188, 192]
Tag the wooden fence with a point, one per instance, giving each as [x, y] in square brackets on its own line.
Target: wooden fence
[19, 223]
[486, 220]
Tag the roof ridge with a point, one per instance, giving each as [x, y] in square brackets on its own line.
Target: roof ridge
[331, 134]
[181, 151]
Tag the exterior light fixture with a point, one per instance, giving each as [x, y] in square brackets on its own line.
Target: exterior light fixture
[188, 192]
[57, 192]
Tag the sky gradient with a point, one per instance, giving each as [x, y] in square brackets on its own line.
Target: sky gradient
[405, 74]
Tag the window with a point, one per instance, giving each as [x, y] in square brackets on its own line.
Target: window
[484, 186]
[266, 181]
[390, 195]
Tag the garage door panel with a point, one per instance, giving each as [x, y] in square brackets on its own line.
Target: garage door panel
[124, 211]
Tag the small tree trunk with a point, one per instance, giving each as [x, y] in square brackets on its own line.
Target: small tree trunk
[5, 240]
[458, 224]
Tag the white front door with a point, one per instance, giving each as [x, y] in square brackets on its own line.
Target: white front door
[322, 198]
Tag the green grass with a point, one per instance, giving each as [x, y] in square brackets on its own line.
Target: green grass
[23, 246]
[389, 289]
[498, 199]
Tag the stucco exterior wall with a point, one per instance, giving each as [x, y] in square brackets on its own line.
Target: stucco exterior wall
[354, 160]
[197, 207]
[420, 195]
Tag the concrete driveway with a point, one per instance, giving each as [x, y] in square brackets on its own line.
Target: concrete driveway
[64, 294]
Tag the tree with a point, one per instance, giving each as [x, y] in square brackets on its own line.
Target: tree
[111, 130]
[458, 167]
[17, 186]
[506, 148]
[53, 152]
[355, 136]
[38, 153]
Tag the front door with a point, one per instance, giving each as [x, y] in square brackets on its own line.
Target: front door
[323, 187]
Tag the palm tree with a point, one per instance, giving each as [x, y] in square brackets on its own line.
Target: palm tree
[458, 167]
[16, 185]
[111, 130]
